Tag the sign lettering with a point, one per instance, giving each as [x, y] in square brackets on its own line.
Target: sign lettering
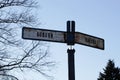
[44, 35]
[90, 40]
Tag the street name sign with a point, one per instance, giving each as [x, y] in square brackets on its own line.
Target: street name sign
[89, 40]
[61, 36]
[43, 34]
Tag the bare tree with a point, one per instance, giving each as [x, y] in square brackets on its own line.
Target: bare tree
[15, 53]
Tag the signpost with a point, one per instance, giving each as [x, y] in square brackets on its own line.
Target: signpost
[70, 37]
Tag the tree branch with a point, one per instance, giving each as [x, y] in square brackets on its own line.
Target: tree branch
[10, 76]
[25, 3]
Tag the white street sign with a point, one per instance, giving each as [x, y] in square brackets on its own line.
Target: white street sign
[43, 34]
[89, 40]
[61, 36]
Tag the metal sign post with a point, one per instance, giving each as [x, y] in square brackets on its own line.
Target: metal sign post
[70, 37]
[71, 64]
[71, 42]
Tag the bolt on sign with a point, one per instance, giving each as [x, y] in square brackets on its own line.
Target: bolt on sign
[70, 36]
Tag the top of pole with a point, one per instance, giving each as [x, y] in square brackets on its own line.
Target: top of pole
[70, 33]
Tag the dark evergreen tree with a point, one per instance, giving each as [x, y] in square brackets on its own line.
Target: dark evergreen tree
[110, 72]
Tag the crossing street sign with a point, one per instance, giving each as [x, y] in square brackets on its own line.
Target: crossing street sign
[89, 40]
[43, 34]
[70, 36]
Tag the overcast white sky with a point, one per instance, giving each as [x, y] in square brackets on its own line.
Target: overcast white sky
[99, 18]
